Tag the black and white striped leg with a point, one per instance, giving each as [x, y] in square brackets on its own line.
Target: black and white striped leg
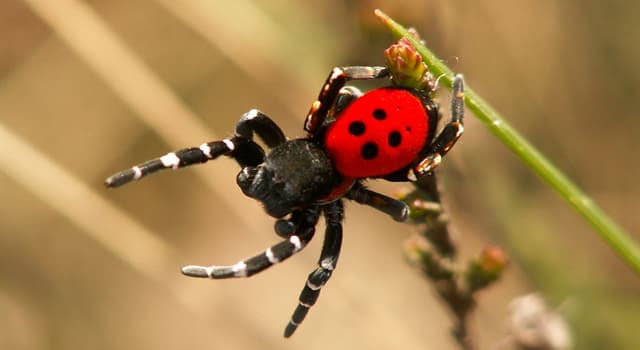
[245, 151]
[398, 210]
[267, 129]
[303, 220]
[331, 89]
[449, 134]
[240, 147]
[328, 259]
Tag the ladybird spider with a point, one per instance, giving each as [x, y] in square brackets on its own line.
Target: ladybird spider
[386, 133]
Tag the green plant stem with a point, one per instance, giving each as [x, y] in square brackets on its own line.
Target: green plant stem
[613, 234]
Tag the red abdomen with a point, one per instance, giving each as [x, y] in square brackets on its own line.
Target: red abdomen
[377, 134]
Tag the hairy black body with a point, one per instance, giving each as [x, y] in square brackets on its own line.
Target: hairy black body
[294, 175]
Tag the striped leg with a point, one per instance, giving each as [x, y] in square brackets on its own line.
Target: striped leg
[245, 151]
[331, 89]
[304, 221]
[327, 263]
[254, 120]
[398, 210]
[449, 134]
[240, 147]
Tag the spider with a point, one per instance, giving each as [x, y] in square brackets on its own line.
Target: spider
[386, 133]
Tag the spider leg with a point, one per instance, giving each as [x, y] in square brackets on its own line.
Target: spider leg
[267, 129]
[245, 151]
[303, 220]
[398, 210]
[331, 89]
[346, 95]
[240, 147]
[328, 258]
[447, 137]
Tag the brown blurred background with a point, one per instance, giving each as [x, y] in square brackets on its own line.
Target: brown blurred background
[89, 88]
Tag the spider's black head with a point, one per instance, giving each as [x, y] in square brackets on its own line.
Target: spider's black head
[295, 174]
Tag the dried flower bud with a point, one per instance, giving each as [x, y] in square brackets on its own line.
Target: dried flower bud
[406, 65]
[487, 268]
[493, 260]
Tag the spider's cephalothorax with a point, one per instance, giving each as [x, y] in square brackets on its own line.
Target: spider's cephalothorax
[386, 133]
[294, 175]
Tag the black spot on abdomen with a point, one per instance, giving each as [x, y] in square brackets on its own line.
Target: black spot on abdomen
[357, 128]
[369, 151]
[394, 139]
[379, 114]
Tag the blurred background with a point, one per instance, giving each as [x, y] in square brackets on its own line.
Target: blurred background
[88, 88]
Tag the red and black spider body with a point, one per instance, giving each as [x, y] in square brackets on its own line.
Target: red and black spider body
[381, 132]
[378, 134]
[386, 133]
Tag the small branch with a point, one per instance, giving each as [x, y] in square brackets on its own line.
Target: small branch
[613, 234]
[457, 286]
[434, 251]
